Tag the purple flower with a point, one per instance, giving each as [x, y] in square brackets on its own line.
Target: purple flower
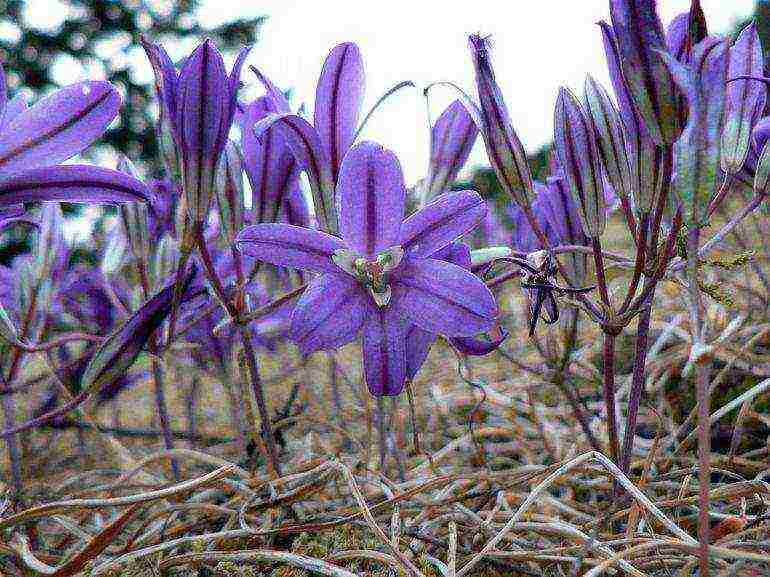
[319, 148]
[33, 141]
[198, 106]
[379, 277]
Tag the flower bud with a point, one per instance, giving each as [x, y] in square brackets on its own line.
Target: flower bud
[744, 98]
[640, 38]
[576, 148]
[605, 121]
[762, 176]
[134, 216]
[50, 244]
[230, 192]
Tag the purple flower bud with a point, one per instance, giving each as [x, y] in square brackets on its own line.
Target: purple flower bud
[644, 156]
[452, 139]
[230, 192]
[760, 134]
[697, 150]
[744, 97]
[639, 35]
[575, 145]
[505, 151]
[608, 128]
[762, 175]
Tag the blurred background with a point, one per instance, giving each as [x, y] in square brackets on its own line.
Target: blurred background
[538, 46]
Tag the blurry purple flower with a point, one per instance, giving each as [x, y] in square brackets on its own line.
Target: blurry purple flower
[379, 277]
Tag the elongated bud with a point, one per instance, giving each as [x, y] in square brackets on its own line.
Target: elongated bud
[169, 151]
[579, 158]
[165, 261]
[452, 139]
[644, 156]
[697, 150]
[640, 38]
[744, 98]
[505, 151]
[605, 121]
[134, 216]
[118, 353]
[50, 242]
[230, 192]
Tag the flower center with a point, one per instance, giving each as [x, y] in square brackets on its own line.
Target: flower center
[371, 274]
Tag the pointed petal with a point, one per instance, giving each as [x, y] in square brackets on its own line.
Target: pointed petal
[330, 313]
[73, 183]
[338, 99]
[744, 97]
[477, 347]
[292, 246]
[275, 94]
[269, 162]
[165, 78]
[384, 350]
[58, 127]
[444, 220]
[452, 139]
[443, 298]
[305, 145]
[233, 83]
[202, 103]
[371, 198]
[418, 344]
[504, 148]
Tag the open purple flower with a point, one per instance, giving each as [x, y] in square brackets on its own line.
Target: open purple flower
[378, 278]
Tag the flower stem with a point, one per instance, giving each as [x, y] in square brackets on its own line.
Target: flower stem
[608, 386]
[14, 455]
[256, 394]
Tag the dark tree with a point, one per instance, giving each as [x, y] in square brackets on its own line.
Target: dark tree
[27, 53]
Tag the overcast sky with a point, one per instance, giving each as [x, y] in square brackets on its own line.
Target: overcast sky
[537, 47]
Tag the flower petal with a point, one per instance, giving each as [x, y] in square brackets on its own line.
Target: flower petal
[439, 223]
[269, 162]
[384, 349]
[452, 139]
[165, 78]
[477, 347]
[58, 127]
[444, 298]
[305, 145]
[338, 99]
[74, 183]
[15, 106]
[371, 197]
[330, 313]
[292, 246]
[418, 344]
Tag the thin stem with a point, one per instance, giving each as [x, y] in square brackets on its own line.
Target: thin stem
[608, 359]
[382, 432]
[14, 454]
[702, 362]
[601, 278]
[256, 394]
[638, 376]
[641, 259]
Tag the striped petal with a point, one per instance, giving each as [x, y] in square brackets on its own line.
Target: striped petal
[441, 222]
[58, 127]
[443, 298]
[73, 183]
[338, 99]
[330, 313]
[371, 197]
[306, 146]
[384, 350]
[292, 246]
[418, 344]
[452, 139]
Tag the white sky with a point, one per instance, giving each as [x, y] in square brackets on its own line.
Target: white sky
[537, 47]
